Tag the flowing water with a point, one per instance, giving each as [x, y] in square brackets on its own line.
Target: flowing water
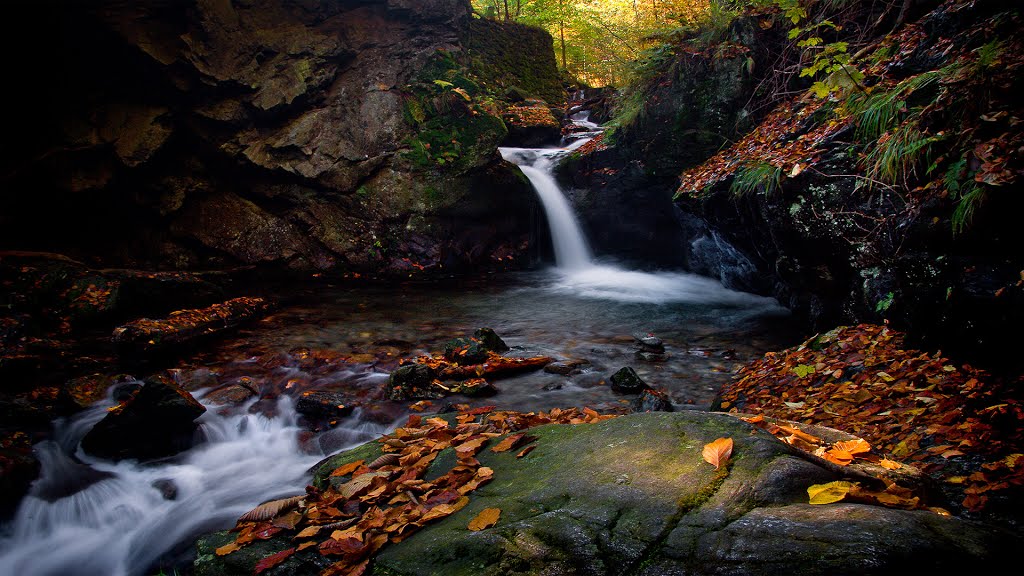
[87, 516]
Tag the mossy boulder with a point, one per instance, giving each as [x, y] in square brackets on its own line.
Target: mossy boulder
[632, 495]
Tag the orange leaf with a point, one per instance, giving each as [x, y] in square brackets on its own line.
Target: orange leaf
[347, 469]
[717, 453]
[853, 447]
[526, 450]
[227, 549]
[889, 464]
[485, 519]
[837, 456]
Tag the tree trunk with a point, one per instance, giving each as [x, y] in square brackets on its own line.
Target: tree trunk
[561, 29]
[506, 11]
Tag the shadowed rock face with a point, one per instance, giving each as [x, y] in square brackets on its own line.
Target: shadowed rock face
[272, 132]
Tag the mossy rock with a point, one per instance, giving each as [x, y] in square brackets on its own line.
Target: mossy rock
[632, 495]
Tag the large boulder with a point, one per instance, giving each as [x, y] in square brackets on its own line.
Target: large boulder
[156, 422]
[196, 137]
[632, 495]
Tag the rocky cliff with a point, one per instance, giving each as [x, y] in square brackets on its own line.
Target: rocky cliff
[283, 133]
[893, 200]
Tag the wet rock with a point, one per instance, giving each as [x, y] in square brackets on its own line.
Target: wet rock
[491, 340]
[465, 351]
[649, 343]
[18, 469]
[412, 381]
[552, 386]
[167, 488]
[89, 389]
[565, 367]
[156, 422]
[232, 394]
[319, 405]
[146, 336]
[651, 400]
[531, 125]
[626, 381]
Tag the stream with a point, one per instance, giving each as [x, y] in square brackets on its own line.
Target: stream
[86, 516]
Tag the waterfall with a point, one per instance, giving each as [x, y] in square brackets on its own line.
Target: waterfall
[578, 273]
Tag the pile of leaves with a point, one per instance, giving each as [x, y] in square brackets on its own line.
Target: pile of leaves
[931, 118]
[956, 422]
[530, 113]
[368, 505]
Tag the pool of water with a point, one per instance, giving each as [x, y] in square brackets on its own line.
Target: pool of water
[592, 314]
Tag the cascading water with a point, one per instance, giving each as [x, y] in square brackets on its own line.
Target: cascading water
[578, 273]
[100, 518]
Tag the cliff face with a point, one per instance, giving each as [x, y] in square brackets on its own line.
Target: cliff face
[286, 133]
[895, 202]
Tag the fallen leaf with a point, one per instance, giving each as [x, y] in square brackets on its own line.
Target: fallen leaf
[510, 442]
[485, 519]
[526, 450]
[890, 464]
[853, 447]
[346, 469]
[308, 532]
[272, 560]
[828, 493]
[717, 452]
[227, 549]
[268, 510]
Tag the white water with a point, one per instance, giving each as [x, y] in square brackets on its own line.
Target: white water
[122, 524]
[578, 274]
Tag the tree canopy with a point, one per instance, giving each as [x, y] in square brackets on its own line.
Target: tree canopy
[595, 40]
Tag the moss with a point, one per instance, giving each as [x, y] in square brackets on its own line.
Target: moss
[530, 67]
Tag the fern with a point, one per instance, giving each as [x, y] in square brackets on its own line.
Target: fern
[972, 196]
[898, 153]
[877, 113]
[760, 176]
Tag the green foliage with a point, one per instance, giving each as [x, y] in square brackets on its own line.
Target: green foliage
[752, 178]
[884, 303]
[878, 112]
[830, 61]
[969, 195]
[897, 154]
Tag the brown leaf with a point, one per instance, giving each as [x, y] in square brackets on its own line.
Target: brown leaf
[485, 519]
[853, 447]
[268, 510]
[509, 443]
[347, 469]
[288, 521]
[444, 509]
[717, 452]
[272, 560]
[526, 450]
[384, 460]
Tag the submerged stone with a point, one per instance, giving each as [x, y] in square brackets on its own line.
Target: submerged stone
[627, 381]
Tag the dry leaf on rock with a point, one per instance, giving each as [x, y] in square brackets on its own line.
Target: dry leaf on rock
[485, 519]
[718, 452]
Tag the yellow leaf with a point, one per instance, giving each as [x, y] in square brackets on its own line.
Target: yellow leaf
[717, 452]
[485, 519]
[890, 464]
[227, 549]
[828, 493]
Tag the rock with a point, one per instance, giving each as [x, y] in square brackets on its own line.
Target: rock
[491, 340]
[156, 422]
[632, 495]
[320, 405]
[626, 381]
[232, 394]
[167, 487]
[565, 367]
[465, 351]
[410, 382]
[649, 343]
[531, 125]
[146, 336]
[651, 400]
[552, 386]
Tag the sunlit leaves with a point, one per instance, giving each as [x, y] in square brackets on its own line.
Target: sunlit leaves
[717, 452]
[367, 506]
[828, 493]
[485, 519]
